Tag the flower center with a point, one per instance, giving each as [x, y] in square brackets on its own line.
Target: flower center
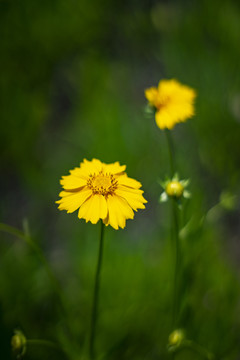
[101, 181]
[102, 184]
[163, 101]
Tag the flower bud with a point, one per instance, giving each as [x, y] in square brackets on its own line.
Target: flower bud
[18, 343]
[174, 189]
[176, 337]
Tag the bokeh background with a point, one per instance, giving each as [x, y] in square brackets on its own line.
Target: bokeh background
[72, 87]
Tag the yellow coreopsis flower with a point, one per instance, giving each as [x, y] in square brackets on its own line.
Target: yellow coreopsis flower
[101, 191]
[172, 101]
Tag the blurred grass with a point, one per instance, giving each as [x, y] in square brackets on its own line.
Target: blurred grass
[72, 87]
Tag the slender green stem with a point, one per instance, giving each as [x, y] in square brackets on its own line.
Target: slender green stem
[198, 349]
[171, 152]
[13, 231]
[46, 343]
[40, 342]
[176, 289]
[175, 236]
[96, 295]
[28, 239]
[60, 296]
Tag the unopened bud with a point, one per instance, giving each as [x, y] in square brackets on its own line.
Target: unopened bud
[176, 337]
[174, 189]
[18, 343]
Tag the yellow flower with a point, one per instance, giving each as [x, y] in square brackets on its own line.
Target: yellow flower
[173, 102]
[101, 191]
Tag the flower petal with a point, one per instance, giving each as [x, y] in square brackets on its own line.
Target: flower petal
[71, 182]
[165, 119]
[127, 181]
[118, 212]
[78, 172]
[114, 168]
[93, 209]
[91, 167]
[74, 200]
[131, 190]
[152, 95]
[135, 200]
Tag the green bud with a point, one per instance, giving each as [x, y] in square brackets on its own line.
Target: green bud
[176, 337]
[18, 343]
[174, 189]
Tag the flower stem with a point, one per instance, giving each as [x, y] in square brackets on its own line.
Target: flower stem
[175, 236]
[25, 235]
[176, 292]
[40, 342]
[171, 152]
[198, 349]
[96, 295]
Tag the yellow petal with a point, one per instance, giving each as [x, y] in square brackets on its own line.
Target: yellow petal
[136, 201]
[78, 172]
[129, 189]
[152, 95]
[91, 167]
[93, 209]
[100, 206]
[114, 168]
[67, 193]
[164, 119]
[125, 180]
[181, 111]
[74, 200]
[168, 86]
[118, 212]
[71, 182]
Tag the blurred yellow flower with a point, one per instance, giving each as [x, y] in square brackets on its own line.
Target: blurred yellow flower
[172, 101]
[101, 191]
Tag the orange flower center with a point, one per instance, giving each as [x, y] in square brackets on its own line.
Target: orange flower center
[162, 101]
[102, 184]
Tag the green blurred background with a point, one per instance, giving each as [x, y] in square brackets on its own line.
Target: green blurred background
[72, 87]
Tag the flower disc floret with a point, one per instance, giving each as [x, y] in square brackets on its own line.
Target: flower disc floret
[103, 184]
[101, 191]
[172, 101]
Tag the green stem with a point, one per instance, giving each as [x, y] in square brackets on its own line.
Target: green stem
[13, 231]
[176, 289]
[29, 241]
[175, 236]
[171, 152]
[96, 296]
[198, 349]
[40, 342]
